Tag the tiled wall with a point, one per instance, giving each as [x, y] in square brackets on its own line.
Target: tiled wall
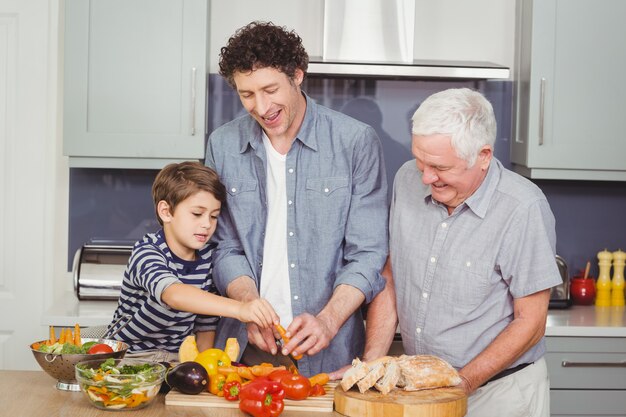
[591, 216]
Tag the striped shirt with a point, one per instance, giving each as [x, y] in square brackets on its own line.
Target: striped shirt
[152, 268]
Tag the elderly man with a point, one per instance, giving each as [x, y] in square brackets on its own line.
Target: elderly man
[472, 249]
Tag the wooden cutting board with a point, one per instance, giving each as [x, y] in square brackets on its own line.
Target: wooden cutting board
[204, 399]
[440, 402]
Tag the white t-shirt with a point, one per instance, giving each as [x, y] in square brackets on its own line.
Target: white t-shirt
[275, 286]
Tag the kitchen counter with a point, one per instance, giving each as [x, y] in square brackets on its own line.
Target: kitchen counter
[587, 321]
[575, 321]
[33, 394]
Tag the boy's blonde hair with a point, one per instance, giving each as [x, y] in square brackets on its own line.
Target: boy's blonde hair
[178, 181]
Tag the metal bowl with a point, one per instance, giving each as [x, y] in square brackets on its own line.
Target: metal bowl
[61, 366]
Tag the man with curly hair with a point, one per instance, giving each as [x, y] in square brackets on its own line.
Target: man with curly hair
[305, 222]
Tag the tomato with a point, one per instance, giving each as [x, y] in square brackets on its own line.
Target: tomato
[278, 375]
[297, 387]
[317, 391]
[100, 348]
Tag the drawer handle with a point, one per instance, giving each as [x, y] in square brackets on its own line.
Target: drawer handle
[542, 110]
[193, 101]
[568, 364]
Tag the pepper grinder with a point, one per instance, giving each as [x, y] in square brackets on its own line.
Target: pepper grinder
[603, 285]
[617, 285]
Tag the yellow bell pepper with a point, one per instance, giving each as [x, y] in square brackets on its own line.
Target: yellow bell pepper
[216, 384]
[211, 359]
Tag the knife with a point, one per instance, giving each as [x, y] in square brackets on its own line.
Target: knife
[285, 360]
[254, 355]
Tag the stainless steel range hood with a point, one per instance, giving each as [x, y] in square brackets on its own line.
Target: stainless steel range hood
[415, 69]
[374, 38]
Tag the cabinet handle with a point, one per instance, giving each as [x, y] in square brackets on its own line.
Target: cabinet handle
[568, 364]
[542, 102]
[193, 101]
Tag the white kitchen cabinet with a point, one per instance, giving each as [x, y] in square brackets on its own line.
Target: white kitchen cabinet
[587, 376]
[569, 91]
[135, 82]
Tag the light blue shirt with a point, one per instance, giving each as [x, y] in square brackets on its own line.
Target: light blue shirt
[456, 275]
[337, 218]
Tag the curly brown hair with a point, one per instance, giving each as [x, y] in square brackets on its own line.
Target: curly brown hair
[261, 45]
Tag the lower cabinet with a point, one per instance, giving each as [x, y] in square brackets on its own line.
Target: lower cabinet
[587, 376]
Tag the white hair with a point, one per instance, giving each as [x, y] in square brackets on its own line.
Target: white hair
[464, 115]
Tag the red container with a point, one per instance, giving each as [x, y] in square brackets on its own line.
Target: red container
[583, 291]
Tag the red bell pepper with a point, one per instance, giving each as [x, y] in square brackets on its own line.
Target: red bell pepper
[231, 390]
[262, 398]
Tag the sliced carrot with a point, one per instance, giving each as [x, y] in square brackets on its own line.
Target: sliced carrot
[77, 340]
[53, 337]
[283, 334]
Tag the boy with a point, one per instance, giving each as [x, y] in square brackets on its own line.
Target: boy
[168, 290]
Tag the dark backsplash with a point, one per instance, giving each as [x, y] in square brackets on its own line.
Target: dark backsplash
[116, 204]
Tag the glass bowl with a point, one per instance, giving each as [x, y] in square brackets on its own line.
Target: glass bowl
[61, 366]
[120, 384]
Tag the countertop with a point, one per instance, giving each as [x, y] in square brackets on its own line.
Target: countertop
[33, 394]
[581, 321]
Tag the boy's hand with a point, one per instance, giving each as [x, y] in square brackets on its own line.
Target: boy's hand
[259, 312]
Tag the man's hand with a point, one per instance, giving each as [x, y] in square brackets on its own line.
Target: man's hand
[262, 338]
[308, 335]
[338, 374]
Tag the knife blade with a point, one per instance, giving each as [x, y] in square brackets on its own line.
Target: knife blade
[285, 360]
[254, 356]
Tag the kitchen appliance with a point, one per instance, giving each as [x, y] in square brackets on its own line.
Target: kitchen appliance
[98, 269]
[560, 295]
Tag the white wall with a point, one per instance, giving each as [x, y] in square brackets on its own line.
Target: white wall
[477, 30]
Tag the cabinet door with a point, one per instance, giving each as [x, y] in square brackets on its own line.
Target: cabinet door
[570, 90]
[135, 78]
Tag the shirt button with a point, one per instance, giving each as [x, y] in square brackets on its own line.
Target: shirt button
[291, 170]
[468, 264]
[444, 225]
[293, 265]
[290, 202]
[326, 190]
[290, 233]
[234, 190]
[425, 295]
[295, 297]
[433, 259]
[418, 330]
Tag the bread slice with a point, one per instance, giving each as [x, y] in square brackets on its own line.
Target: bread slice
[376, 372]
[354, 374]
[427, 372]
[389, 379]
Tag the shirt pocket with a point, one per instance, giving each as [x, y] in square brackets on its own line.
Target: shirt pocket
[328, 200]
[242, 199]
[467, 282]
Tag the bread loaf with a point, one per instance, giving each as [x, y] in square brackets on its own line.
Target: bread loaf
[390, 378]
[427, 372]
[354, 374]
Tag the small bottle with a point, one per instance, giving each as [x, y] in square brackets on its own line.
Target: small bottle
[603, 285]
[617, 284]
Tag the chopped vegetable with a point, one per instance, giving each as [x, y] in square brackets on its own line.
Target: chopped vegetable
[283, 334]
[116, 387]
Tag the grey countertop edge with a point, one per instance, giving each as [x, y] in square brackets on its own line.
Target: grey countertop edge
[576, 321]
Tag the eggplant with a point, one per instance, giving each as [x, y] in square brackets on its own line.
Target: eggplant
[188, 378]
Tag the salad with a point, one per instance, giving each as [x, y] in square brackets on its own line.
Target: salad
[65, 348]
[111, 384]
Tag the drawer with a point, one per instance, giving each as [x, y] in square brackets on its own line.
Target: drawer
[586, 363]
[565, 403]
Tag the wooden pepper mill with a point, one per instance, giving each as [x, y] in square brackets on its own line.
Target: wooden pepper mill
[603, 285]
[617, 284]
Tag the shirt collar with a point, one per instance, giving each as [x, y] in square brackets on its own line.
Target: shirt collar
[479, 201]
[306, 134]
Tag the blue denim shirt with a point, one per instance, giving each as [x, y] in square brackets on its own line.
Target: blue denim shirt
[337, 218]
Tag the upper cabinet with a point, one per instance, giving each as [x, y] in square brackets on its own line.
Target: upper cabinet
[135, 82]
[570, 94]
